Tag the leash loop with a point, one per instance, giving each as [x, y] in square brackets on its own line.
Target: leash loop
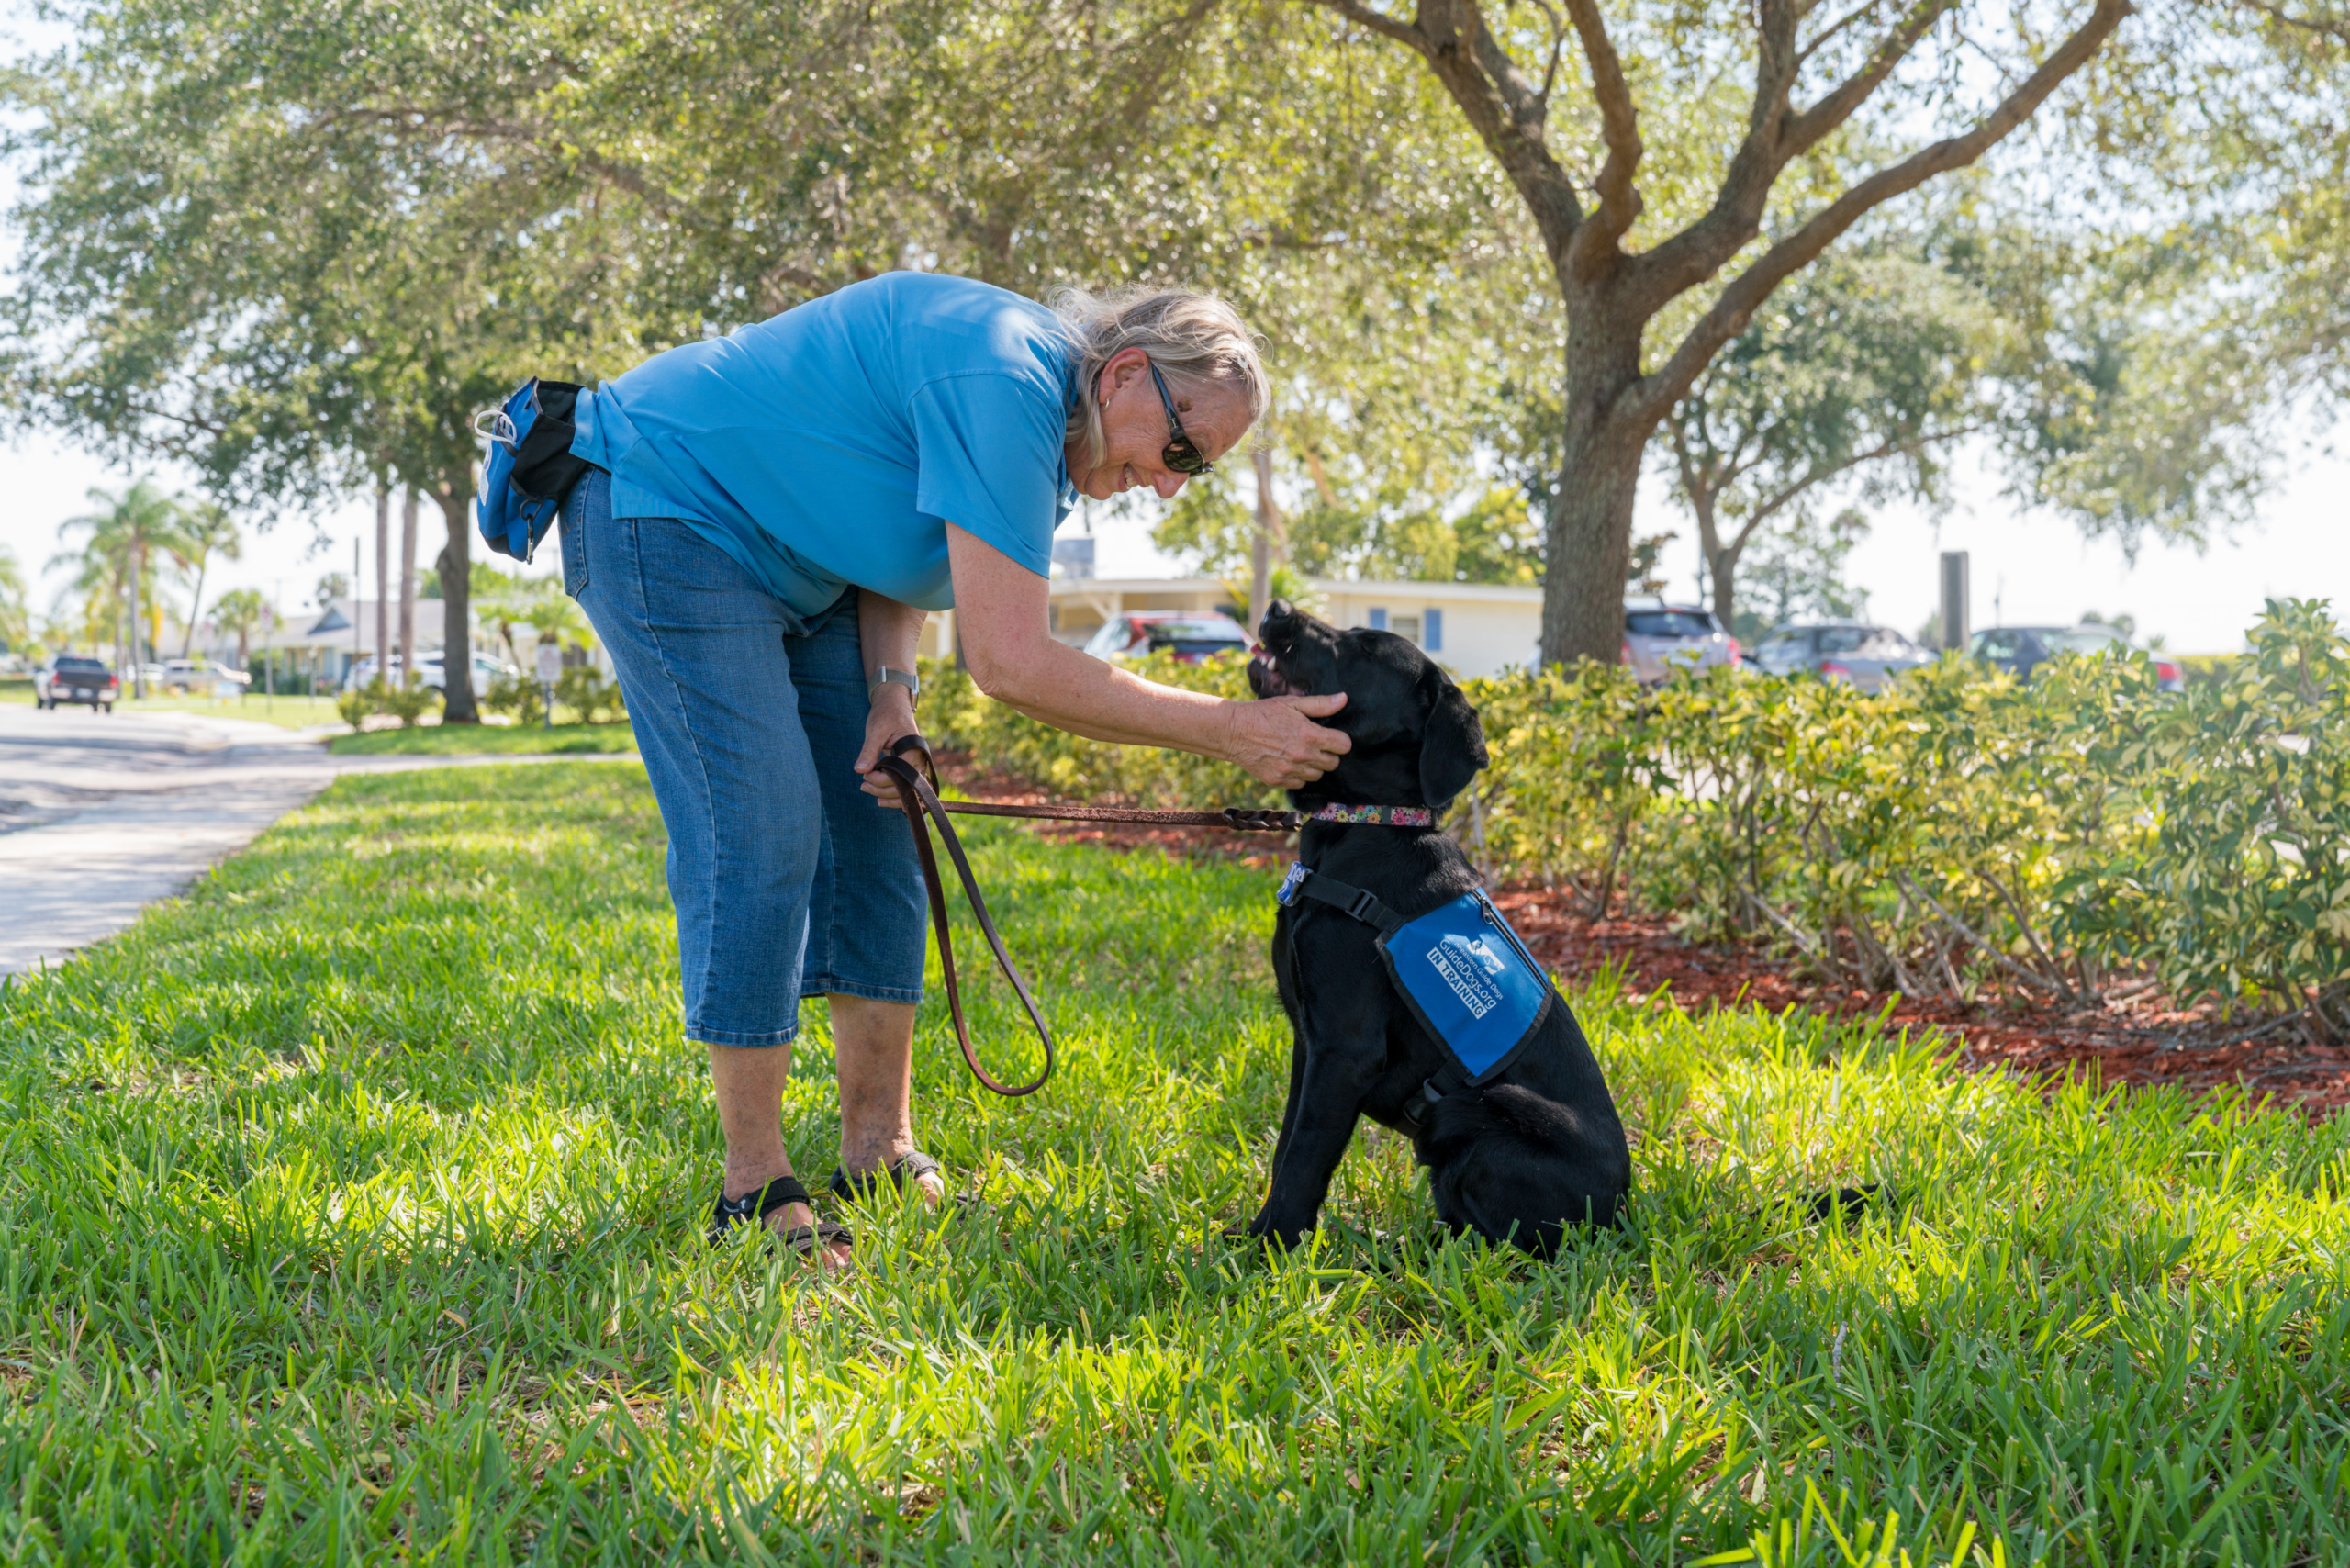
[918, 796]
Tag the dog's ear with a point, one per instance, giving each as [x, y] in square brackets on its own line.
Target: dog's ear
[1452, 747]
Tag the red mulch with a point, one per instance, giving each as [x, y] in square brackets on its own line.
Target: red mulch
[2140, 1042]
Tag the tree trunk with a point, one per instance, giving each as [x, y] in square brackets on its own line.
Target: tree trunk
[187, 641]
[1721, 560]
[383, 571]
[456, 496]
[137, 665]
[1260, 544]
[407, 590]
[1588, 553]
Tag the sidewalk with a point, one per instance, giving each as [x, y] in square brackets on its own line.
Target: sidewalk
[102, 814]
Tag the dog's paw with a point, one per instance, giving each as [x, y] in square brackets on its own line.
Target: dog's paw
[1272, 1238]
[1853, 1201]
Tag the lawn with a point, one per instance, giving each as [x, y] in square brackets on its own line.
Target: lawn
[292, 712]
[353, 1211]
[476, 739]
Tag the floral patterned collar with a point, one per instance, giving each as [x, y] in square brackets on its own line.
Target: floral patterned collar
[1386, 816]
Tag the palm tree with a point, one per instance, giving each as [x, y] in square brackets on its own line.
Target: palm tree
[130, 536]
[207, 531]
[15, 615]
[555, 617]
[239, 612]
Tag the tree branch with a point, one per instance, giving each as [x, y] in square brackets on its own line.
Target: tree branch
[2335, 28]
[1834, 28]
[1378, 22]
[1508, 114]
[1688, 258]
[1620, 128]
[1654, 394]
[1820, 475]
[1558, 49]
[1802, 131]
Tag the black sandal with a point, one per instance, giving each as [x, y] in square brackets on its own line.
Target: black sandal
[913, 1167]
[752, 1208]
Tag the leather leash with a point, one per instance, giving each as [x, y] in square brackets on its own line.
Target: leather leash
[918, 797]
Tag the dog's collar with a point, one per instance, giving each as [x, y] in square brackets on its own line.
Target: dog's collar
[1384, 816]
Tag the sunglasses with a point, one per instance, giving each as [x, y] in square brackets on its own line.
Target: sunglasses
[1182, 454]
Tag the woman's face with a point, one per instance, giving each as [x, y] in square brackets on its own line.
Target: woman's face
[1134, 428]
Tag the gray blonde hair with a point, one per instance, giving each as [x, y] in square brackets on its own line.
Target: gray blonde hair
[1196, 340]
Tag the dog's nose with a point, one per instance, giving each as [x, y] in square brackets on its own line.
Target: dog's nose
[1279, 614]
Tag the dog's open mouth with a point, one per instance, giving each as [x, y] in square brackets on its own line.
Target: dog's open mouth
[1268, 675]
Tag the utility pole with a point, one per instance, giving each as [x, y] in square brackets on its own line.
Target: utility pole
[1954, 601]
[355, 610]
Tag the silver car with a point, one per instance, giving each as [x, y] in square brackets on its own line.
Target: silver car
[1660, 638]
[1851, 650]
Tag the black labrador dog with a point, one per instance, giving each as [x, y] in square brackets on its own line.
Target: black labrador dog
[1534, 1150]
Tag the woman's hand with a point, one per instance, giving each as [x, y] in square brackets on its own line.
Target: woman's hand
[892, 715]
[1277, 741]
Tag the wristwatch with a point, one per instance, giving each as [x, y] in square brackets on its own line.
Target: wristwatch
[885, 676]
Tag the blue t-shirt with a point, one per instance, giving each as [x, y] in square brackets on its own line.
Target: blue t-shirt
[828, 445]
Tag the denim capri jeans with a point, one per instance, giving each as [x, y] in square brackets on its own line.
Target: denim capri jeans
[788, 880]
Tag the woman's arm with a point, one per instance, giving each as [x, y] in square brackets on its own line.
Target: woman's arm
[999, 620]
[887, 633]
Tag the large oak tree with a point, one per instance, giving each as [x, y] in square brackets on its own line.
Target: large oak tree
[1799, 168]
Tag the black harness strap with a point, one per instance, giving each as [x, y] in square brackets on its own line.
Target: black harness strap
[1344, 897]
[1348, 899]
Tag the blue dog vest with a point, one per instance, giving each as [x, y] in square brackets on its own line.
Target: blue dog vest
[1461, 968]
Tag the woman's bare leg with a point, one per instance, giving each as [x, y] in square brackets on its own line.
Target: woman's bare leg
[749, 1081]
[873, 1053]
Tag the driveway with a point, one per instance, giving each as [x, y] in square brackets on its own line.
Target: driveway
[101, 814]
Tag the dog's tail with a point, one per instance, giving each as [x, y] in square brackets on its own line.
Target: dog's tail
[1512, 1166]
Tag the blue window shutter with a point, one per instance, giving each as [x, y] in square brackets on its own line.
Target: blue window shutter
[1378, 619]
[1432, 628]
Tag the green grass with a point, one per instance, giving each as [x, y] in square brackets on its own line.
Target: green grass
[352, 1207]
[464, 740]
[291, 712]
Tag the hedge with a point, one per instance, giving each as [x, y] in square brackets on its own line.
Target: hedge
[2078, 836]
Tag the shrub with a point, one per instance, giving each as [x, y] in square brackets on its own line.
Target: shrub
[408, 702]
[516, 697]
[587, 692]
[956, 714]
[1958, 830]
[354, 706]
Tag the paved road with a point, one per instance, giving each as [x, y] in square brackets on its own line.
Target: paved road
[101, 814]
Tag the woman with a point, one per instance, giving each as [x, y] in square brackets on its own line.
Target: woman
[768, 518]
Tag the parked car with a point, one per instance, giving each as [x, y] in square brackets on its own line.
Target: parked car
[204, 675]
[1866, 657]
[68, 678]
[431, 671]
[1659, 637]
[1193, 635]
[2022, 649]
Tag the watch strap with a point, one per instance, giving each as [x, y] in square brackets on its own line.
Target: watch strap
[885, 676]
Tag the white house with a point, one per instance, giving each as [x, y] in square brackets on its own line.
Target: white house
[1470, 627]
